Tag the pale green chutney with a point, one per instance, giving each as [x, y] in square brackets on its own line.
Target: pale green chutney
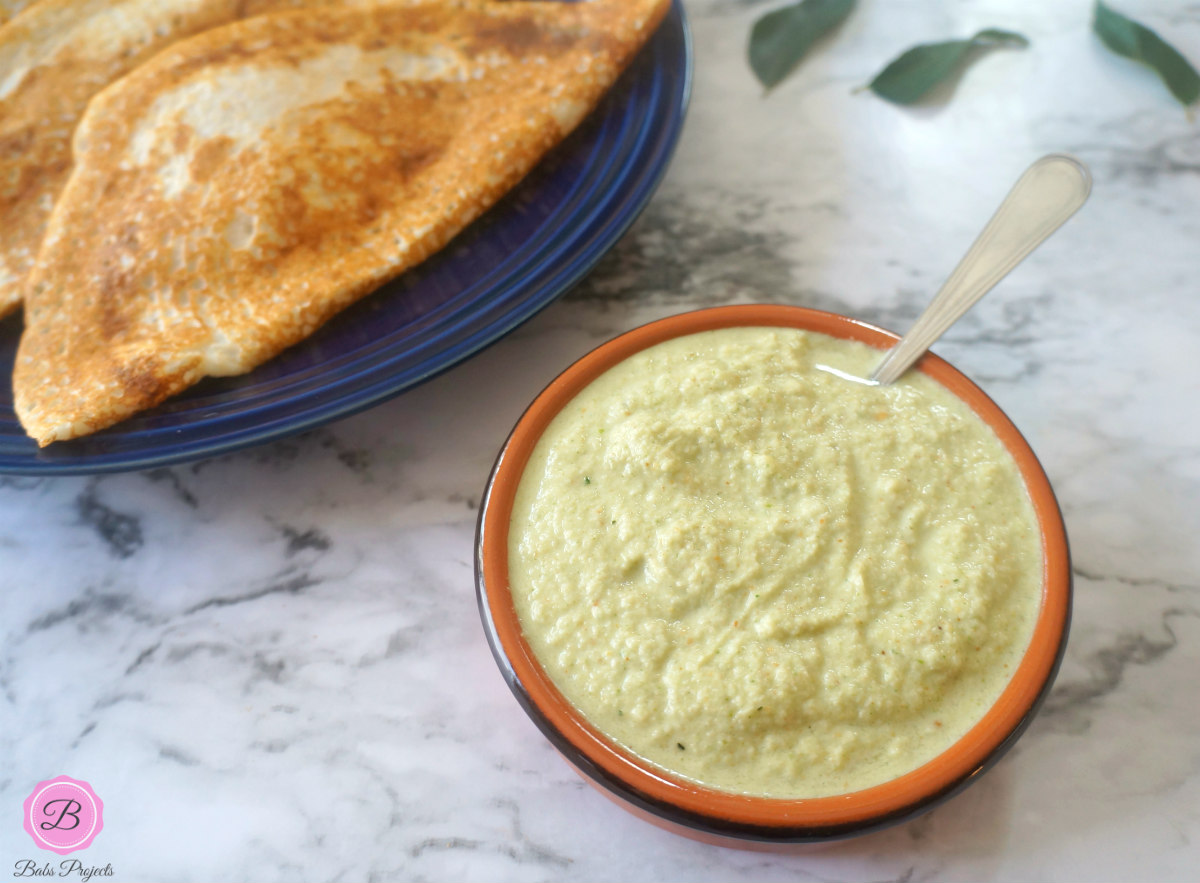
[770, 579]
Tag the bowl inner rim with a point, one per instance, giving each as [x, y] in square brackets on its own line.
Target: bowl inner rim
[964, 758]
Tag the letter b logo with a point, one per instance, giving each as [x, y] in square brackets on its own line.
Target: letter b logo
[68, 808]
[63, 815]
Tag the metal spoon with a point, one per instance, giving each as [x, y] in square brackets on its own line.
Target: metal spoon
[1050, 191]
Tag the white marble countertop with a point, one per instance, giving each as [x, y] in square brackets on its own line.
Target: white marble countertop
[270, 665]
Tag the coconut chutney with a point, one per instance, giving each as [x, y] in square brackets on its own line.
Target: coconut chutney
[769, 579]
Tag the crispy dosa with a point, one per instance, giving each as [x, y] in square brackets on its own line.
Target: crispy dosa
[53, 58]
[9, 8]
[240, 188]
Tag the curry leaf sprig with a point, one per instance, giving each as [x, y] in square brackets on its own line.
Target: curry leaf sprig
[780, 39]
[914, 73]
[1126, 37]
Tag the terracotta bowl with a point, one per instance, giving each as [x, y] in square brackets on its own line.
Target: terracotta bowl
[736, 819]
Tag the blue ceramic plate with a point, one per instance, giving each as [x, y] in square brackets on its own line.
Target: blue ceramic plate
[529, 249]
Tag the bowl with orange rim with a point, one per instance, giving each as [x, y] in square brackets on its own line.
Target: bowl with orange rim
[730, 816]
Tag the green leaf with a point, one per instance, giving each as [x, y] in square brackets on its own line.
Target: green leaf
[1125, 36]
[910, 76]
[781, 38]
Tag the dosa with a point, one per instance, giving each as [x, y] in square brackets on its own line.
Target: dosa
[53, 58]
[239, 189]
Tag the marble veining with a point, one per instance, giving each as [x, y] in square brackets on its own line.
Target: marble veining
[270, 664]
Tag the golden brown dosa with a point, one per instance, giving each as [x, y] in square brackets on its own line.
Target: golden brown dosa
[244, 185]
[9, 8]
[53, 58]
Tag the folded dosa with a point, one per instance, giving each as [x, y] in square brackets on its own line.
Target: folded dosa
[9, 8]
[244, 185]
[53, 58]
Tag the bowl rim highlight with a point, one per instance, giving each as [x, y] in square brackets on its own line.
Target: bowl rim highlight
[720, 816]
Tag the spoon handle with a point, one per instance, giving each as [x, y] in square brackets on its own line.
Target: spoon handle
[1050, 191]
